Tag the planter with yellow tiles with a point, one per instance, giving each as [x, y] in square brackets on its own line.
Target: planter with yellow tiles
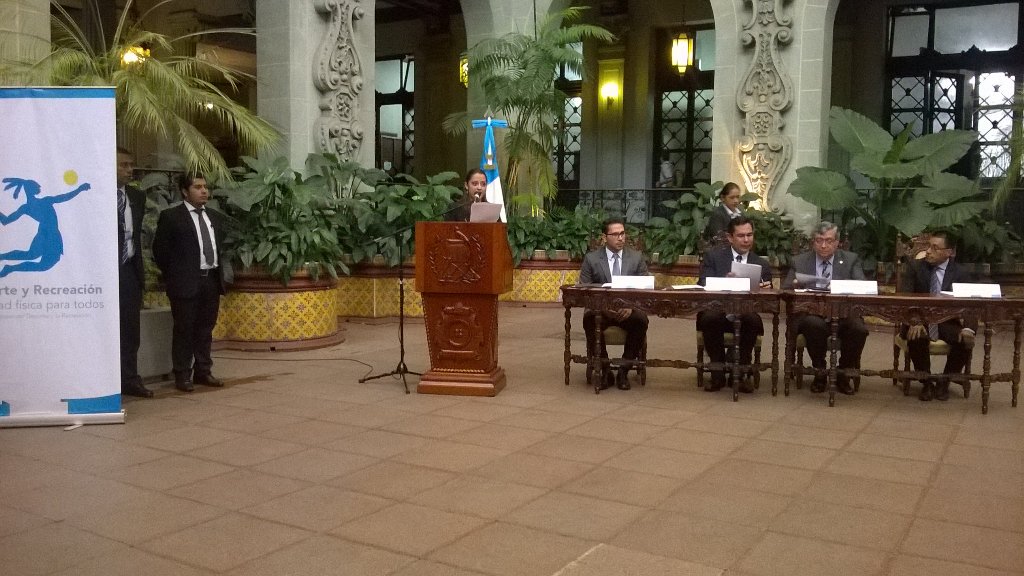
[259, 313]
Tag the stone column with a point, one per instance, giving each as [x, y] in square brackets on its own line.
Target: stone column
[315, 64]
[25, 27]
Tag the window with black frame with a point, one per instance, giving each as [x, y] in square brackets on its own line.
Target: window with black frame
[568, 128]
[395, 91]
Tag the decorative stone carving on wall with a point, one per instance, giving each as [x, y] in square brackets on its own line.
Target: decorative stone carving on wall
[338, 75]
[764, 94]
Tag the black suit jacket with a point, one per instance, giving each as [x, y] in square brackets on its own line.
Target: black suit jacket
[595, 266]
[718, 221]
[137, 202]
[176, 249]
[917, 279]
[718, 263]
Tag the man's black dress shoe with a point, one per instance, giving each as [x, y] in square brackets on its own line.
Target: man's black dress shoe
[819, 384]
[136, 389]
[940, 391]
[208, 380]
[843, 385]
[184, 386]
[622, 380]
[607, 380]
[926, 392]
[717, 382]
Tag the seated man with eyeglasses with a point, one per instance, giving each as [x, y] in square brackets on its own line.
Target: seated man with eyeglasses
[827, 262]
[614, 259]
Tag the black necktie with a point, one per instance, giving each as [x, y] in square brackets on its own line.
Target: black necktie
[824, 270]
[739, 257]
[122, 203]
[204, 234]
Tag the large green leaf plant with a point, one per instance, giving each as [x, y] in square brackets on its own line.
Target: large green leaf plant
[910, 188]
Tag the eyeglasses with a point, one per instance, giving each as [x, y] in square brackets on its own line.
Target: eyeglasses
[935, 248]
[820, 240]
[616, 234]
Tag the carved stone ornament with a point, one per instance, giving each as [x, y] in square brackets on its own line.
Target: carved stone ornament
[765, 93]
[338, 75]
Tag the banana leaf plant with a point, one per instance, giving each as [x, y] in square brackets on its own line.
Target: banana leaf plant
[911, 191]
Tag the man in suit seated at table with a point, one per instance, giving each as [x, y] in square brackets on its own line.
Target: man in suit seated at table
[827, 262]
[614, 259]
[937, 272]
[714, 324]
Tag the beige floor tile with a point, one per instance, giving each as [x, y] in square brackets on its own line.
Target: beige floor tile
[316, 464]
[904, 565]
[717, 424]
[186, 439]
[959, 479]
[544, 420]
[521, 399]
[807, 436]
[393, 480]
[585, 404]
[726, 503]
[132, 562]
[500, 436]
[409, 529]
[709, 542]
[431, 426]
[428, 568]
[696, 441]
[882, 468]
[990, 439]
[865, 493]
[843, 524]
[312, 432]
[986, 547]
[911, 429]
[615, 430]
[533, 470]
[136, 426]
[510, 550]
[224, 543]
[371, 416]
[317, 508]
[238, 489]
[783, 555]
[481, 411]
[450, 456]
[50, 548]
[87, 453]
[70, 495]
[578, 448]
[247, 450]
[193, 409]
[478, 496]
[647, 459]
[758, 406]
[143, 518]
[325, 555]
[23, 473]
[575, 515]
[783, 454]
[605, 560]
[927, 450]
[13, 521]
[252, 421]
[969, 507]
[1011, 461]
[650, 415]
[292, 404]
[625, 486]
[838, 418]
[377, 443]
[173, 470]
[757, 476]
[419, 403]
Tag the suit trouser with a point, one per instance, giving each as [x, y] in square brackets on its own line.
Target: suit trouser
[852, 335]
[129, 304]
[635, 326]
[194, 319]
[714, 325]
[949, 332]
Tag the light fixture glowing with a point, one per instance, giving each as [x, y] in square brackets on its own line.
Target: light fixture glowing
[682, 52]
[134, 55]
[610, 92]
[464, 71]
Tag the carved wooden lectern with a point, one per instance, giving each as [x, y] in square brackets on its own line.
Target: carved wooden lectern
[460, 270]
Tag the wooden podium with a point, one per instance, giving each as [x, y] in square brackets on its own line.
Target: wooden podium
[460, 270]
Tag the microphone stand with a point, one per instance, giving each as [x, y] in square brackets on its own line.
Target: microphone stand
[401, 369]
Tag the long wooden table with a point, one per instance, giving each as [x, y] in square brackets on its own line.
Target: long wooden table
[895, 308]
[908, 309]
[672, 304]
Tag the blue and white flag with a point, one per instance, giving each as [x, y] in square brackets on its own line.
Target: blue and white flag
[58, 257]
[488, 163]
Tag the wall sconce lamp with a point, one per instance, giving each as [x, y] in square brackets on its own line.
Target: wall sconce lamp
[682, 52]
[464, 71]
[610, 92]
[134, 55]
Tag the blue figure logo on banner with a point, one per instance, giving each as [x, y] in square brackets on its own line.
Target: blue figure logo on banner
[47, 246]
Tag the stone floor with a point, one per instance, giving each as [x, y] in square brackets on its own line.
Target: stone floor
[296, 469]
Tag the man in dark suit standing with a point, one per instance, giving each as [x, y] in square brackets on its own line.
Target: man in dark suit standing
[614, 259]
[714, 324]
[936, 273]
[131, 276]
[187, 249]
[827, 262]
[727, 209]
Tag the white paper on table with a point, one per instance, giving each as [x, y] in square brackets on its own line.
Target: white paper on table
[641, 282]
[972, 289]
[731, 284]
[854, 287]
